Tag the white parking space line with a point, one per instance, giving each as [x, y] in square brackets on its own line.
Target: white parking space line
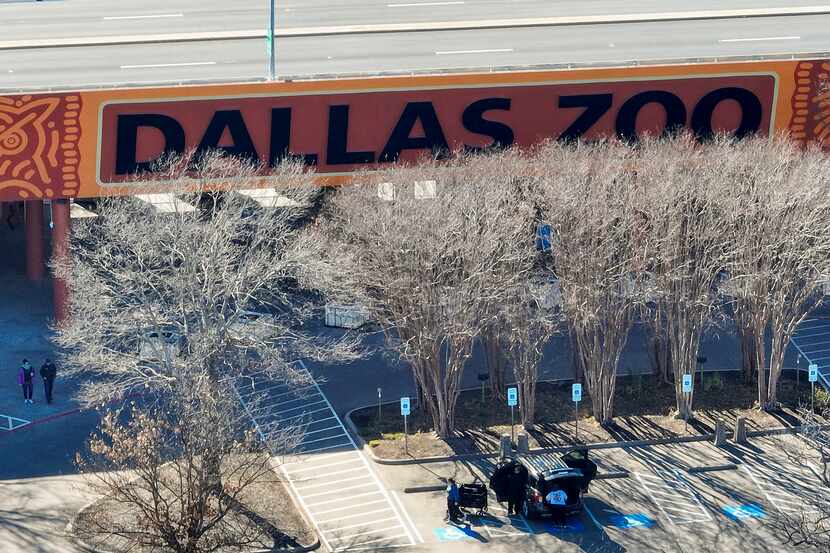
[148, 16]
[756, 39]
[280, 412]
[306, 442]
[485, 51]
[153, 65]
[364, 513]
[327, 474]
[355, 485]
[786, 491]
[421, 4]
[351, 507]
[370, 541]
[329, 483]
[359, 524]
[406, 515]
[329, 447]
[674, 497]
[368, 533]
[339, 490]
[340, 500]
[317, 467]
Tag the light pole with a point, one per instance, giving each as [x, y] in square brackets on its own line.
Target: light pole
[272, 53]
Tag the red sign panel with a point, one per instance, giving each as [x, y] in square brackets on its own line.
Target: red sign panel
[344, 131]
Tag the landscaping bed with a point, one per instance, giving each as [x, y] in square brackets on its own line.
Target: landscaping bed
[644, 409]
[268, 500]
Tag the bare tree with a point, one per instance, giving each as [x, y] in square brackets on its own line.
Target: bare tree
[203, 287]
[165, 499]
[681, 201]
[427, 266]
[592, 203]
[527, 327]
[779, 214]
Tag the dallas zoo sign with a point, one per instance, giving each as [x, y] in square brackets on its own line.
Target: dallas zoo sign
[81, 144]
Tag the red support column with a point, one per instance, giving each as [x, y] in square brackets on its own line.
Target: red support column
[60, 248]
[35, 267]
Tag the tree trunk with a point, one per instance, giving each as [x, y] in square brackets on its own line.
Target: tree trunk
[760, 362]
[495, 360]
[776, 364]
[576, 360]
[527, 397]
[748, 361]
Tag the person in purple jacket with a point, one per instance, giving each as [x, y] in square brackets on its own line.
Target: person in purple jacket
[26, 378]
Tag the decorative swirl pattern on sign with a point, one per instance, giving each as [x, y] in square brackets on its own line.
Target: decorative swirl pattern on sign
[810, 121]
[39, 154]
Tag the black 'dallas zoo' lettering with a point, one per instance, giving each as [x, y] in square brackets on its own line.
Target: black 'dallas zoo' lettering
[431, 137]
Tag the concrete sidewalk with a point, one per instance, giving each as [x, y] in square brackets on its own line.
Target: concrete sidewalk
[35, 511]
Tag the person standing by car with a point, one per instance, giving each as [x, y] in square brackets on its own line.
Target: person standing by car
[453, 497]
[48, 371]
[515, 491]
[25, 378]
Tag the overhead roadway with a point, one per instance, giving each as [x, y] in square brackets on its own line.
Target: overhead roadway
[427, 51]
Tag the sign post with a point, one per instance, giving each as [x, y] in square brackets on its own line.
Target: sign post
[813, 377]
[272, 54]
[405, 411]
[379, 414]
[687, 390]
[512, 401]
[798, 372]
[576, 397]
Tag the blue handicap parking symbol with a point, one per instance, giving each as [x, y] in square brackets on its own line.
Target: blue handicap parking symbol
[636, 520]
[568, 526]
[749, 510]
[451, 533]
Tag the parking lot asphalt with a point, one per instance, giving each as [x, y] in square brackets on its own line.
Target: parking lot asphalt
[659, 507]
[812, 341]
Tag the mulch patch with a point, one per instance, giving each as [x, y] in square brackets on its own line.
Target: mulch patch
[267, 501]
[644, 408]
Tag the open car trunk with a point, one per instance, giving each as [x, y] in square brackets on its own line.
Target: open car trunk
[578, 459]
[569, 481]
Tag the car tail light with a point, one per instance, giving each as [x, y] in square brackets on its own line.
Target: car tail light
[536, 496]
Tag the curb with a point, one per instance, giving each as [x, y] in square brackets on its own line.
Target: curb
[713, 468]
[385, 28]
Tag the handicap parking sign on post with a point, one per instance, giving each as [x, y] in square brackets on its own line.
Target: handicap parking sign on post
[812, 375]
[687, 384]
[512, 397]
[405, 407]
[576, 392]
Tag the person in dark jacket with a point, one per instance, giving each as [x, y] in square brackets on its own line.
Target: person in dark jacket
[453, 497]
[48, 372]
[26, 380]
[515, 491]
